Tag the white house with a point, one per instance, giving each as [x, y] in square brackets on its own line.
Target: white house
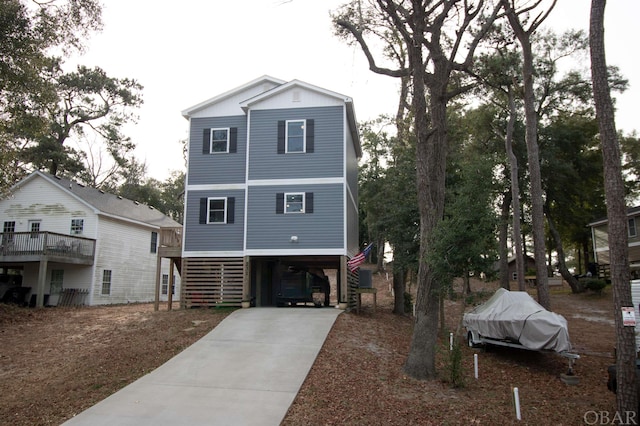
[68, 244]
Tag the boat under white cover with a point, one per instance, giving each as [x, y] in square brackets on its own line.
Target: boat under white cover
[515, 317]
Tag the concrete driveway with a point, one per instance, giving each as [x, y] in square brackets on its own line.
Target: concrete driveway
[246, 371]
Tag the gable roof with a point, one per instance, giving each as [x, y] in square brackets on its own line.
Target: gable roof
[280, 87]
[631, 212]
[265, 79]
[104, 203]
[351, 115]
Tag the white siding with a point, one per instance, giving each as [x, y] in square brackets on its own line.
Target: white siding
[297, 97]
[124, 249]
[40, 200]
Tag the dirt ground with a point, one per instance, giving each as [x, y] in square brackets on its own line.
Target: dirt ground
[56, 362]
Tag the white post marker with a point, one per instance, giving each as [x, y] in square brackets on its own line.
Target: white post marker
[516, 398]
[450, 341]
[475, 365]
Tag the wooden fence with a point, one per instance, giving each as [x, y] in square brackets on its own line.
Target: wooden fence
[212, 282]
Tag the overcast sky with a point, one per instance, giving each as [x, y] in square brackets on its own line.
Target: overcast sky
[186, 52]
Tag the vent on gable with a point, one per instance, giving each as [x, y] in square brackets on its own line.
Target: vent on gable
[296, 96]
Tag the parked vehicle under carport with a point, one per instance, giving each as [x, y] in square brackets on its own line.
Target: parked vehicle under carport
[299, 285]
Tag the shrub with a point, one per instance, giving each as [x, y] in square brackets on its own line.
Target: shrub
[594, 284]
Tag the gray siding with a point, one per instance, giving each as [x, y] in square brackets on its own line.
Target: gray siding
[327, 159]
[217, 168]
[213, 237]
[352, 211]
[318, 230]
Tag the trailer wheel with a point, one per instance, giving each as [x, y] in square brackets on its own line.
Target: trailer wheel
[470, 341]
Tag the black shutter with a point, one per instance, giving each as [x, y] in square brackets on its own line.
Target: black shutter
[281, 135]
[203, 210]
[206, 141]
[231, 209]
[308, 201]
[233, 139]
[280, 203]
[310, 135]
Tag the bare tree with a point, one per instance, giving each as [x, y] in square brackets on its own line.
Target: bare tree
[627, 391]
[435, 35]
[531, 137]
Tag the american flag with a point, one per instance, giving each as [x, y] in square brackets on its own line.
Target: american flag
[357, 260]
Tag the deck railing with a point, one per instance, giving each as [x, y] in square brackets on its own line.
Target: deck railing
[171, 237]
[46, 243]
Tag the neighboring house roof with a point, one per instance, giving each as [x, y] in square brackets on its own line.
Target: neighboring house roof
[631, 211]
[105, 203]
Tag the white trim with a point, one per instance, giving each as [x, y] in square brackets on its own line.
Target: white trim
[215, 187]
[213, 253]
[246, 179]
[296, 252]
[214, 129]
[303, 203]
[304, 136]
[294, 83]
[225, 208]
[290, 182]
[345, 185]
[124, 219]
[264, 79]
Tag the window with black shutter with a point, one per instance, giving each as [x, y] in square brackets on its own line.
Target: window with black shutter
[296, 136]
[217, 210]
[220, 140]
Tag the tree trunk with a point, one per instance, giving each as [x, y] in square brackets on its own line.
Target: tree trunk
[627, 391]
[398, 290]
[533, 159]
[502, 240]
[576, 286]
[515, 193]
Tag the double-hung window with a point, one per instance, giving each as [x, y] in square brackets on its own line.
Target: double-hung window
[106, 282]
[296, 136]
[154, 242]
[34, 228]
[220, 140]
[217, 210]
[77, 226]
[8, 228]
[294, 202]
[633, 232]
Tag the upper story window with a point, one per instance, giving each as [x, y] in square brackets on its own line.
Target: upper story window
[220, 140]
[294, 202]
[77, 226]
[8, 228]
[154, 242]
[296, 136]
[217, 210]
[632, 227]
[34, 228]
